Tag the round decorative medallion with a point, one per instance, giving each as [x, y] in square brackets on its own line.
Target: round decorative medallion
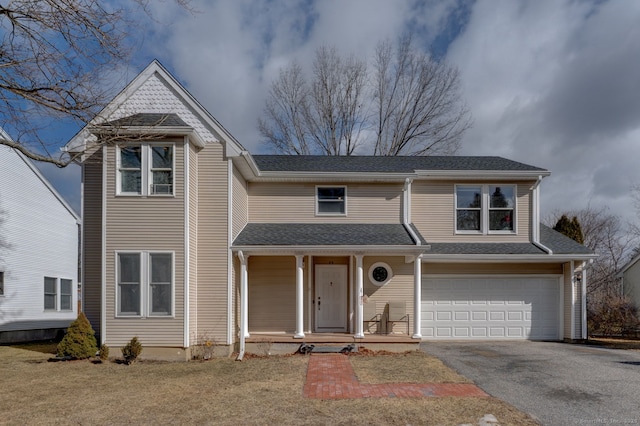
[380, 273]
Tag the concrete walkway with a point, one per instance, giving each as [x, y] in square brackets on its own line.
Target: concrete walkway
[331, 376]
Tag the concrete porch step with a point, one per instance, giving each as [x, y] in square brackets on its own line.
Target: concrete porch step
[306, 348]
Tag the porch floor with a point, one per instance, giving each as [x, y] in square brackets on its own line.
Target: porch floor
[257, 337]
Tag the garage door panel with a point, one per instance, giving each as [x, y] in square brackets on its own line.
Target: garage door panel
[491, 308]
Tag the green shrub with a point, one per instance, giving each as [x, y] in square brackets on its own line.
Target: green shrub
[79, 342]
[104, 352]
[131, 350]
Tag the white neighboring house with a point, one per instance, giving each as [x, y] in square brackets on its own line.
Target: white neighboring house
[38, 253]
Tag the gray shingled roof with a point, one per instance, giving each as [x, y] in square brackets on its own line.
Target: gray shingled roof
[561, 244]
[324, 234]
[363, 164]
[148, 120]
[484, 248]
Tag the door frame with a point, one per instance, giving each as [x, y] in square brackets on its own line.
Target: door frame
[343, 298]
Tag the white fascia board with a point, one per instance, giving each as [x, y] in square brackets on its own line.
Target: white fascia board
[502, 258]
[482, 174]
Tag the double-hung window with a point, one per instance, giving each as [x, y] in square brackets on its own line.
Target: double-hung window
[58, 294]
[331, 200]
[485, 208]
[146, 169]
[145, 284]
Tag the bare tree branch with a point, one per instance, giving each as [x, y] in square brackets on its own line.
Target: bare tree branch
[54, 56]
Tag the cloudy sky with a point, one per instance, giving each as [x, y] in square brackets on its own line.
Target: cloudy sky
[555, 84]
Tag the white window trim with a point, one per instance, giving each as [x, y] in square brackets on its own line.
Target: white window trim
[145, 284]
[58, 294]
[484, 210]
[317, 200]
[146, 173]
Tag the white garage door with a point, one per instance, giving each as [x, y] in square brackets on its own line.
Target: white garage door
[491, 308]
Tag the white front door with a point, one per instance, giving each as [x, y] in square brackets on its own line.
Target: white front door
[331, 298]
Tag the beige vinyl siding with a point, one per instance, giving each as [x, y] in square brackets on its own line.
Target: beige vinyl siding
[92, 239]
[491, 268]
[240, 203]
[400, 288]
[193, 243]
[137, 223]
[213, 244]
[272, 293]
[433, 212]
[296, 203]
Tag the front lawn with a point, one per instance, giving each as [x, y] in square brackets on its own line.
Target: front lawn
[223, 391]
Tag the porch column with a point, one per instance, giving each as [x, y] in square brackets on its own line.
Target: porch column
[299, 297]
[244, 295]
[417, 297]
[359, 295]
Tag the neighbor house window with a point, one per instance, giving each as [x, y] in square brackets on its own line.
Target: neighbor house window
[50, 294]
[58, 294]
[485, 208]
[146, 169]
[66, 295]
[145, 284]
[1, 283]
[331, 200]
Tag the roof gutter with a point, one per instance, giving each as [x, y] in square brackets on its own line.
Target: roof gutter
[406, 211]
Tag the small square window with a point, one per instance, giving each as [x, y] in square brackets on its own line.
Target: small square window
[331, 200]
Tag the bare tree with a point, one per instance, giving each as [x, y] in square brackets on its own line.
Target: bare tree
[409, 105]
[418, 103]
[322, 116]
[606, 235]
[54, 56]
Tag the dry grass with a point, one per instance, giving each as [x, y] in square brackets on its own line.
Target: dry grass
[219, 391]
[410, 367]
[615, 343]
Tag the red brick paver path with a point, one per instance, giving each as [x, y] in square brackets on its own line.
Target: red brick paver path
[330, 376]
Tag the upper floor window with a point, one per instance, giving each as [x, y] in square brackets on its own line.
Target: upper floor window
[146, 169]
[485, 208]
[145, 284]
[331, 200]
[58, 294]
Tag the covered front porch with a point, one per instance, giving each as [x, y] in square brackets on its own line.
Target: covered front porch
[287, 343]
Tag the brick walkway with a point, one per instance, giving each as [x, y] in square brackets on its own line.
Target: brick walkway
[330, 376]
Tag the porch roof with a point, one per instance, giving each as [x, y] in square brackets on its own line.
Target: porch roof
[325, 234]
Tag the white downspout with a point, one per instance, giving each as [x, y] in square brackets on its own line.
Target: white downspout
[243, 305]
[573, 299]
[406, 211]
[584, 299]
[535, 220]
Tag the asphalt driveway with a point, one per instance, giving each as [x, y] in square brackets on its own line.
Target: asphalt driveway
[557, 383]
